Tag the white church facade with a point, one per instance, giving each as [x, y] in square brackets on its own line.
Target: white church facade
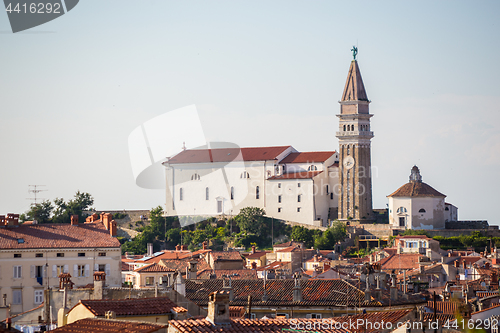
[305, 187]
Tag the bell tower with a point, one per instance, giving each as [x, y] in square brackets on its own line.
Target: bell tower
[355, 183]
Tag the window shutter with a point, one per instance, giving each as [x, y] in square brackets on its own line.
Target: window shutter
[96, 267]
[54, 271]
[44, 271]
[14, 272]
[75, 270]
[32, 271]
[20, 272]
[87, 270]
[108, 270]
[66, 269]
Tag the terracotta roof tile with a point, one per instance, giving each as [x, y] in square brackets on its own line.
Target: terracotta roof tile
[56, 235]
[256, 255]
[109, 326]
[274, 265]
[400, 261]
[130, 307]
[224, 256]
[180, 265]
[234, 273]
[444, 306]
[228, 154]
[416, 189]
[288, 244]
[308, 157]
[154, 267]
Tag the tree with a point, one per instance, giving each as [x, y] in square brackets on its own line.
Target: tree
[302, 234]
[82, 201]
[39, 212]
[251, 220]
[337, 232]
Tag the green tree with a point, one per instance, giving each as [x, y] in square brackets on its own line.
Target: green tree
[250, 220]
[63, 210]
[302, 234]
[40, 212]
[337, 232]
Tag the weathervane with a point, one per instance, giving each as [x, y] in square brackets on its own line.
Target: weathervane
[354, 52]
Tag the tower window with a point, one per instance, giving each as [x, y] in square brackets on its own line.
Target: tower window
[279, 209]
[279, 198]
[348, 150]
[344, 128]
[207, 194]
[298, 209]
[312, 168]
[327, 189]
[244, 174]
[181, 194]
[331, 196]
[298, 184]
[232, 193]
[279, 185]
[401, 210]
[299, 198]
[195, 177]
[421, 210]
[257, 192]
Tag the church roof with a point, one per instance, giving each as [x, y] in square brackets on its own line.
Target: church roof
[228, 154]
[354, 89]
[308, 157]
[416, 189]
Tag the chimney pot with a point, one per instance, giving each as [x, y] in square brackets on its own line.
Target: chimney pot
[150, 249]
[112, 228]
[74, 219]
[253, 249]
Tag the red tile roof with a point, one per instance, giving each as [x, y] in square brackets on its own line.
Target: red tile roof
[288, 244]
[225, 256]
[256, 255]
[274, 265]
[401, 261]
[228, 154]
[91, 325]
[447, 307]
[154, 268]
[130, 307]
[180, 265]
[308, 157]
[246, 325]
[415, 189]
[56, 235]
[297, 175]
[234, 273]
[279, 292]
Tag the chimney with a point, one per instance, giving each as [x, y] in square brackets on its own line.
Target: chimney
[254, 265]
[74, 219]
[204, 245]
[368, 294]
[297, 289]
[112, 228]
[193, 270]
[464, 264]
[218, 308]
[99, 279]
[253, 249]
[106, 219]
[486, 265]
[394, 289]
[494, 277]
[449, 254]
[184, 247]
[110, 314]
[315, 258]
[150, 249]
[12, 220]
[177, 247]
[456, 263]
[2, 220]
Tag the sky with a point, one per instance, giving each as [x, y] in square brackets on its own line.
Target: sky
[261, 73]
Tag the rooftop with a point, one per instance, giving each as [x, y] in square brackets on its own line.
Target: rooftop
[228, 155]
[308, 157]
[109, 326]
[56, 235]
[416, 189]
[130, 307]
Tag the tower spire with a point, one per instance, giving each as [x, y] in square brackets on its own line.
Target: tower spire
[354, 89]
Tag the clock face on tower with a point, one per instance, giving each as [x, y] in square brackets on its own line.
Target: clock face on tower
[348, 162]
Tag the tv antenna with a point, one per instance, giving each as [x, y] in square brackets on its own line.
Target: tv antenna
[35, 189]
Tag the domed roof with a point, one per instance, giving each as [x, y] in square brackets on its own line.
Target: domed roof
[416, 189]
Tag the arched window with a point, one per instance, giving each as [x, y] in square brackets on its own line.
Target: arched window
[446, 208]
[181, 194]
[244, 174]
[348, 149]
[232, 193]
[279, 198]
[195, 177]
[401, 210]
[327, 189]
[421, 210]
[312, 167]
[257, 192]
[344, 128]
[207, 194]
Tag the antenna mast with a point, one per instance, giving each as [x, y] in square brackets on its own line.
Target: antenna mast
[35, 190]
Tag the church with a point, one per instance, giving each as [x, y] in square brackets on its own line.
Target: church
[304, 187]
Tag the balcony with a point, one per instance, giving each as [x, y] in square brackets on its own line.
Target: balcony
[355, 133]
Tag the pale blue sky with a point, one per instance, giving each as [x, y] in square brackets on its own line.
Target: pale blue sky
[261, 73]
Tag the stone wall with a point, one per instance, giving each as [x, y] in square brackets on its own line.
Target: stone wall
[466, 225]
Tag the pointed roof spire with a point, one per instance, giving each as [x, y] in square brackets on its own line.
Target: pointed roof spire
[354, 88]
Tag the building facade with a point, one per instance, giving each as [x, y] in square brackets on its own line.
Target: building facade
[305, 187]
[32, 256]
